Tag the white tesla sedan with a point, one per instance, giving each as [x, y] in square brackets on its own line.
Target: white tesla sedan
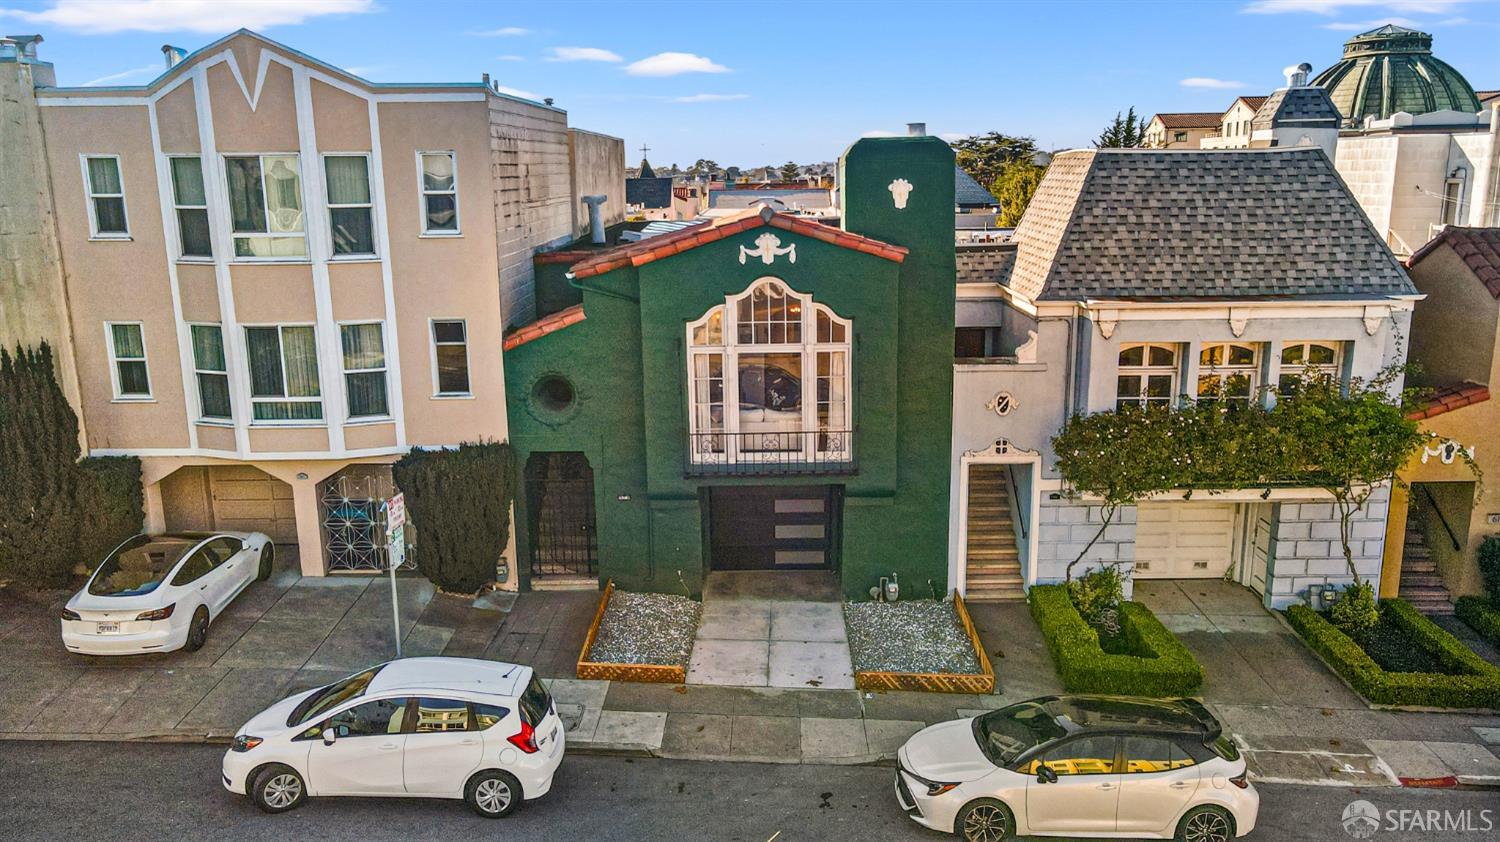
[158, 593]
[482, 731]
[1079, 766]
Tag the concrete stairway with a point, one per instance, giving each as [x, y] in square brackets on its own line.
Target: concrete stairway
[1421, 584]
[994, 566]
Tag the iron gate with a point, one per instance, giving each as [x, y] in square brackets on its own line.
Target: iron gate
[560, 498]
[353, 527]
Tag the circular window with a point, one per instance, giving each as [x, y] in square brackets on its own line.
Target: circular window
[553, 393]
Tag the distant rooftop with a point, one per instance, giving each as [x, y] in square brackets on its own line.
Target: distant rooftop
[1190, 119]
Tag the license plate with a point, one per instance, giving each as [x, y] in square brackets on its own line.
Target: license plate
[108, 628]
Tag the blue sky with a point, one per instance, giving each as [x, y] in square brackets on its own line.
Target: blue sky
[761, 83]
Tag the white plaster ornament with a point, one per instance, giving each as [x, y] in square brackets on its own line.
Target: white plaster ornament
[768, 248]
[900, 190]
[1001, 404]
[1446, 451]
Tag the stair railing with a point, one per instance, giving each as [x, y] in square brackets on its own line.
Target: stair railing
[1015, 500]
[1432, 503]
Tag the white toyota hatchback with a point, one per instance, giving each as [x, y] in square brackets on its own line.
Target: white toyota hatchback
[1079, 766]
[482, 731]
[158, 593]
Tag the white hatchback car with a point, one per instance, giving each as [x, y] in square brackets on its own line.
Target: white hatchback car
[1079, 766]
[483, 731]
[158, 593]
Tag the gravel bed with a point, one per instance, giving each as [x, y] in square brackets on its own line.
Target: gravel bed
[920, 636]
[646, 628]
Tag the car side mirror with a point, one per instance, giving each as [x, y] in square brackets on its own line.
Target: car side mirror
[329, 735]
[1045, 775]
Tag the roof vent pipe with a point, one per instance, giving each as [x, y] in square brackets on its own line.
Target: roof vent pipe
[1296, 76]
[19, 47]
[596, 217]
[916, 129]
[172, 54]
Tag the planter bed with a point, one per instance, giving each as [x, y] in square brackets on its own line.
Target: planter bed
[1153, 661]
[1481, 615]
[640, 637]
[1462, 680]
[919, 644]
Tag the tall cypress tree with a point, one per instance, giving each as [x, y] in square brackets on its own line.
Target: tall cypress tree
[39, 529]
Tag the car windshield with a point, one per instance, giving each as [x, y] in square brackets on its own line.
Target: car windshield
[138, 566]
[326, 698]
[1004, 734]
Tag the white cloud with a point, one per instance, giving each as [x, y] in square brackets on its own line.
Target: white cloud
[144, 72]
[1366, 26]
[505, 32]
[208, 16]
[953, 137]
[582, 54]
[364, 70]
[1207, 82]
[710, 98]
[879, 133]
[1333, 7]
[671, 64]
[518, 92]
[510, 58]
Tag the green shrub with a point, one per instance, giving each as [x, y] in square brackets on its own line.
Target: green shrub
[1482, 615]
[1097, 595]
[1477, 686]
[458, 503]
[1489, 566]
[109, 504]
[1163, 667]
[1355, 613]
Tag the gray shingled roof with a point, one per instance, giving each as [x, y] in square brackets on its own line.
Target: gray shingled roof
[967, 192]
[1211, 224]
[985, 263]
[1302, 106]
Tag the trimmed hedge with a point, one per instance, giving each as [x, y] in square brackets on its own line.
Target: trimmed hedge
[1476, 686]
[110, 504]
[1084, 667]
[458, 502]
[1481, 615]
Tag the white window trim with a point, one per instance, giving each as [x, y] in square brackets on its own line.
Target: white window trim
[231, 235]
[210, 420]
[1145, 371]
[329, 207]
[177, 218]
[432, 346]
[250, 379]
[385, 372]
[1335, 368]
[89, 196]
[114, 367]
[422, 193]
[1223, 371]
[808, 349]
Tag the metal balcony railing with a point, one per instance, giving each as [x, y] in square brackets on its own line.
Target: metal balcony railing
[770, 453]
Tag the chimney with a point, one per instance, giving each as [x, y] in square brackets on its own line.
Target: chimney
[596, 218]
[1296, 76]
[916, 129]
[173, 54]
[19, 47]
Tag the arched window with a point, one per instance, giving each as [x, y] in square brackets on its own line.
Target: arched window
[1228, 368]
[768, 374]
[1147, 375]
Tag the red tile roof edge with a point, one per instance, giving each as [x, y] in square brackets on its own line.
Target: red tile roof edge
[1450, 398]
[563, 256]
[665, 245]
[543, 326]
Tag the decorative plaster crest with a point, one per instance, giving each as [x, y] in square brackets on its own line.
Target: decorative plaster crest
[1107, 321]
[1446, 451]
[900, 190]
[1026, 352]
[1001, 404]
[767, 248]
[1374, 315]
[1001, 447]
[1237, 320]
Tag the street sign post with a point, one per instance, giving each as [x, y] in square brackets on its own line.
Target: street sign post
[395, 532]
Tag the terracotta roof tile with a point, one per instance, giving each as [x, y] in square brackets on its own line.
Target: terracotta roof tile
[666, 245]
[1449, 398]
[1479, 248]
[543, 326]
[1191, 119]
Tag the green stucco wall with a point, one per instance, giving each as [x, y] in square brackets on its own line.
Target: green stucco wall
[627, 362]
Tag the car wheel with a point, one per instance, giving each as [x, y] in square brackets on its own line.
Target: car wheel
[197, 630]
[277, 788]
[267, 562]
[493, 794]
[1206, 824]
[984, 820]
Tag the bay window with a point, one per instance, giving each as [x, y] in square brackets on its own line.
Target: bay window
[749, 361]
[1147, 375]
[265, 206]
[283, 373]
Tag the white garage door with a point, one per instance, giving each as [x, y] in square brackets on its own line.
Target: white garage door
[1183, 540]
[247, 500]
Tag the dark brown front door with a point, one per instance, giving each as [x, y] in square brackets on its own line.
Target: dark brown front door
[773, 528]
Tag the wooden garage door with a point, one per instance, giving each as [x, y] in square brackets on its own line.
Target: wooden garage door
[1183, 540]
[247, 500]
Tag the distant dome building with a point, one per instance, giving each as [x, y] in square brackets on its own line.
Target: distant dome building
[1392, 69]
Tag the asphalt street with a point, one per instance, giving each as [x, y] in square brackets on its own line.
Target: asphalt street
[123, 792]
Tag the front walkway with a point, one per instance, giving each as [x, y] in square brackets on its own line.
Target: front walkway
[772, 629]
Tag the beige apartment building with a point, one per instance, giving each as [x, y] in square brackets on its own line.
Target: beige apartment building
[280, 277]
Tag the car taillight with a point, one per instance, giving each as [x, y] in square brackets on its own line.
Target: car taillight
[70, 615]
[525, 739]
[158, 614]
[1241, 780]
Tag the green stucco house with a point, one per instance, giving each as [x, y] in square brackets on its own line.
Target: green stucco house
[757, 392]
